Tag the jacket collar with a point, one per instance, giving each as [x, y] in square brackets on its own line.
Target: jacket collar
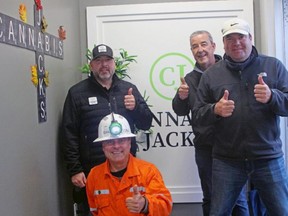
[197, 66]
[240, 66]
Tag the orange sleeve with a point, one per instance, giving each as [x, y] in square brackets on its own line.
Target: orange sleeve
[158, 196]
[90, 194]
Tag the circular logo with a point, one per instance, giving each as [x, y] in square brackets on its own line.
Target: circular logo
[166, 71]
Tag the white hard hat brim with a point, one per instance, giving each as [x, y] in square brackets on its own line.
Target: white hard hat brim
[114, 137]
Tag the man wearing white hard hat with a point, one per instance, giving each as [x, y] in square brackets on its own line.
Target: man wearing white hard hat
[124, 185]
[243, 96]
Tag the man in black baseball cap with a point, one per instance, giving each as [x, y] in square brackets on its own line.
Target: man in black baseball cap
[87, 102]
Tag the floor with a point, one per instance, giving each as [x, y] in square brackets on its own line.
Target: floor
[187, 209]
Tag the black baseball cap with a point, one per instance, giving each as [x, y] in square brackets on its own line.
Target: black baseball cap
[102, 50]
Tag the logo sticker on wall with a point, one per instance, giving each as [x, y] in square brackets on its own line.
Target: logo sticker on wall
[166, 71]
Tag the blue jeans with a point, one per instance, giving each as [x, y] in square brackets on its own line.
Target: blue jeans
[269, 178]
[256, 205]
[204, 161]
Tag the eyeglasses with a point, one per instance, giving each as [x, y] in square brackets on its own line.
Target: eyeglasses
[120, 141]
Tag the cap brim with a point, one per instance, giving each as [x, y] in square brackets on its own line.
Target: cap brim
[101, 56]
[114, 137]
[239, 31]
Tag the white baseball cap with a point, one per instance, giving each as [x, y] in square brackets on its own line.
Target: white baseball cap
[235, 25]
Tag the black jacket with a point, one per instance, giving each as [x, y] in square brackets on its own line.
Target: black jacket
[86, 104]
[203, 135]
[252, 131]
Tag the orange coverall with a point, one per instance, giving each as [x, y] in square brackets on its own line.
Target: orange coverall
[107, 194]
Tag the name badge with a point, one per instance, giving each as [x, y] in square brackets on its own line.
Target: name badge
[92, 100]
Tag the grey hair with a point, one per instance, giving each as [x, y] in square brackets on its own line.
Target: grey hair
[202, 32]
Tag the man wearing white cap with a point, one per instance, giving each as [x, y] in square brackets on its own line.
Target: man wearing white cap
[203, 47]
[124, 185]
[243, 96]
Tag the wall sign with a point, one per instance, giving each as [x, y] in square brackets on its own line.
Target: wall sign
[17, 33]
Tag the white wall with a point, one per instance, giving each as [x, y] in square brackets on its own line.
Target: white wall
[159, 35]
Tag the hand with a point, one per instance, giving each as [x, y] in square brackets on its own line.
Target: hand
[79, 180]
[129, 100]
[183, 90]
[135, 203]
[224, 107]
[262, 91]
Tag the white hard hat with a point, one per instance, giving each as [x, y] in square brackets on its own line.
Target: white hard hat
[113, 126]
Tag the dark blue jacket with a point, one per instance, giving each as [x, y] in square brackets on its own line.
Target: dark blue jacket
[81, 119]
[252, 132]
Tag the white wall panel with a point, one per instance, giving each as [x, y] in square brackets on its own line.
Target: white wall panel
[159, 35]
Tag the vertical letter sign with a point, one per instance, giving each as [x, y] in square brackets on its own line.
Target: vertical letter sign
[20, 34]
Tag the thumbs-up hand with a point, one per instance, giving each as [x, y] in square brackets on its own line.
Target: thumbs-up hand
[224, 107]
[183, 90]
[135, 203]
[262, 91]
[129, 100]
